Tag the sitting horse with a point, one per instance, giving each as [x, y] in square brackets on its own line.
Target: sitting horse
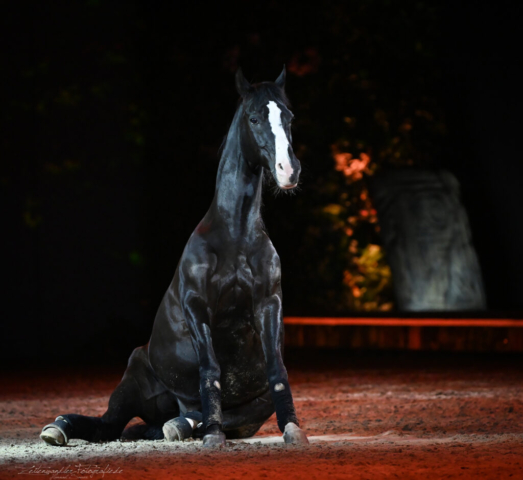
[213, 367]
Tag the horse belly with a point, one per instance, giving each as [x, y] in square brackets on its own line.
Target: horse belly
[242, 364]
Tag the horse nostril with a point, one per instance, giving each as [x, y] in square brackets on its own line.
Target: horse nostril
[280, 166]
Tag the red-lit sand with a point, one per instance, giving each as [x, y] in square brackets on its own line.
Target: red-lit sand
[407, 418]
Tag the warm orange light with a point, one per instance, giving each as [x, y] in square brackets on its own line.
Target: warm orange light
[354, 168]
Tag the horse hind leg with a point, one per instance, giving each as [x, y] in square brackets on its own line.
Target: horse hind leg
[136, 396]
[56, 433]
[156, 412]
[123, 406]
[242, 421]
[94, 429]
[182, 427]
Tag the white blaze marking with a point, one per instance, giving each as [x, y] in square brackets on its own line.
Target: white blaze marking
[283, 168]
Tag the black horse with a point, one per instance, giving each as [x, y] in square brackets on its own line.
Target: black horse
[213, 367]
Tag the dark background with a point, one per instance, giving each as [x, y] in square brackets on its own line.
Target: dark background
[113, 115]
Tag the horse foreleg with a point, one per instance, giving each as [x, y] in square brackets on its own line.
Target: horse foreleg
[269, 325]
[198, 321]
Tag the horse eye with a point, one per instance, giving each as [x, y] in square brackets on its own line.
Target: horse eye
[254, 121]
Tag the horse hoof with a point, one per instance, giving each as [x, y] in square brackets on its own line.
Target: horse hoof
[177, 430]
[294, 435]
[215, 440]
[53, 436]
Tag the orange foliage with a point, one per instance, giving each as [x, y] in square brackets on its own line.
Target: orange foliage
[352, 168]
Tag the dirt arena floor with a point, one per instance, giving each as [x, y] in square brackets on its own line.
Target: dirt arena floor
[369, 416]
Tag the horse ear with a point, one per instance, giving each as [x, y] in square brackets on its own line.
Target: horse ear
[280, 81]
[242, 85]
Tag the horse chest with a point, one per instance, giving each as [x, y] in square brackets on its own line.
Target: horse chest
[231, 287]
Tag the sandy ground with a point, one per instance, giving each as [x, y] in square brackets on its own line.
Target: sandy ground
[369, 417]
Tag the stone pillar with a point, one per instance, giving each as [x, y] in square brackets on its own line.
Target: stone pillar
[427, 239]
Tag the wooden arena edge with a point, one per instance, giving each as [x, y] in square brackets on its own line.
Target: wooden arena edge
[405, 322]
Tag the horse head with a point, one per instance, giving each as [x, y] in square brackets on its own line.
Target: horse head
[266, 129]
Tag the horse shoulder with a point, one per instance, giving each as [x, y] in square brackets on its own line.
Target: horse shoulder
[267, 271]
[198, 262]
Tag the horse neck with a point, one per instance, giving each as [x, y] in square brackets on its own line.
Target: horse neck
[237, 199]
